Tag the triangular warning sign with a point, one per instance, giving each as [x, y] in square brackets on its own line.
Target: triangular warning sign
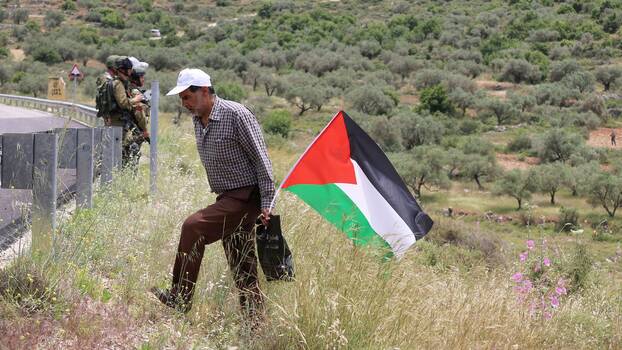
[75, 70]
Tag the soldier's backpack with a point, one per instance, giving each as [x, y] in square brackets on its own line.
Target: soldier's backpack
[104, 100]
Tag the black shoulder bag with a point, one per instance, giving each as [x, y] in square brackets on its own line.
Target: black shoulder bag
[274, 255]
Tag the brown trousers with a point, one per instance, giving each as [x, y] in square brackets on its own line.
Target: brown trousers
[232, 219]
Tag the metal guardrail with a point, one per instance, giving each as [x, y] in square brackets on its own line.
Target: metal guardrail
[84, 114]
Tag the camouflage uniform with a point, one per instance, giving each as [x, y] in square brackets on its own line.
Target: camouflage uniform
[141, 115]
[123, 115]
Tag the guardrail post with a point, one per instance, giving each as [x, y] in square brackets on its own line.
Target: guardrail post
[84, 172]
[17, 158]
[68, 142]
[153, 145]
[118, 147]
[97, 149]
[107, 155]
[44, 191]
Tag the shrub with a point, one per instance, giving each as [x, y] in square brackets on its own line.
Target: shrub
[568, 219]
[46, 54]
[435, 99]
[579, 268]
[456, 233]
[69, 5]
[231, 91]
[26, 285]
[469, 126]
[20, 16]
[539, 284]
[113, 19]
[519, 70]
[53, 19]
[371, 100]
[278, 122]
[519, 143]
[561, 69]
[386, 134]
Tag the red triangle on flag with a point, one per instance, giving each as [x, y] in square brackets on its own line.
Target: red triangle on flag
[327, 160]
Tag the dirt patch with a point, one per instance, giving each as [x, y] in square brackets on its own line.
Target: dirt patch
[499, 94]
[18, 55]
[95, 64]
[495, 88]
[409, 99]
[511, 161]
[602, 138]
[494, 85]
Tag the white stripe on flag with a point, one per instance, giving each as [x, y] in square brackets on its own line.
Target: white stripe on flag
[383, 219]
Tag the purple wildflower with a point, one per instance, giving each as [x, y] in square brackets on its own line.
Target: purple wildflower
[546, 262]
[527, 285]
[531, 244]
[517, 277]
[561, 287]
[523, 256]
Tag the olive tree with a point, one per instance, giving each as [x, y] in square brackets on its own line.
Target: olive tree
[53, 19]
[605, 190]
[20, 16]
[306, 91]
[417, 129]
[422, 168]
[561, 69]
[501, 110]
[516, 184]
[550, 178]
[370, 99]
[581, 80]
[520, 70]
[558, 145]
[478, 167]
[608, 75]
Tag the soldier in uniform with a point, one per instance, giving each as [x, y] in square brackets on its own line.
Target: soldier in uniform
[126, 105]
[110, 73]
[140, 126]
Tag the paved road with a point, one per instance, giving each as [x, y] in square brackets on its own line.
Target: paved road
[15, 203]
[15, 119]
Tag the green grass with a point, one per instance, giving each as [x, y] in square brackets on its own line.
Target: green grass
[456, 294]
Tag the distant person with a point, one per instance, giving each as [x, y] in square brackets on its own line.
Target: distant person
[613, 137]
[138, 126]
[233, 152]
[125, 106]
[110, 73]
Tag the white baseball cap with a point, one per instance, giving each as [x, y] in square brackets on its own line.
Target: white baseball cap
[190, 77]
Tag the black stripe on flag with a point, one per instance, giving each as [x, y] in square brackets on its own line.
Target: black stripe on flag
[385, 178]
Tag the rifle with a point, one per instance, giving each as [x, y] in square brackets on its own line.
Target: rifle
[130, 125]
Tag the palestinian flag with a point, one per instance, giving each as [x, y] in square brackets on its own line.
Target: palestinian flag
[348, 180]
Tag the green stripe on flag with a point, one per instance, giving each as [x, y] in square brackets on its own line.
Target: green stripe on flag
[336, 207]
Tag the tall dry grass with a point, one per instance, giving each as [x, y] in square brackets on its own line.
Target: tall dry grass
[440, 295]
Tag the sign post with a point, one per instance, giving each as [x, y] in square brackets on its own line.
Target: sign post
[75, 75]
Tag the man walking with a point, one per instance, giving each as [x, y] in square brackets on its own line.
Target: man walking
[613, 137]
[234, 154]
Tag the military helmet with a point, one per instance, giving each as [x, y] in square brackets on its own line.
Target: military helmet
[123, 62]
[140, 68]
[111, 61]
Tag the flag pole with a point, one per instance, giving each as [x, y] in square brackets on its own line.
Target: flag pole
[278, 189]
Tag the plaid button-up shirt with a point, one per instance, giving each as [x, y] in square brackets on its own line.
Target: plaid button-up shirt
[233, 151]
